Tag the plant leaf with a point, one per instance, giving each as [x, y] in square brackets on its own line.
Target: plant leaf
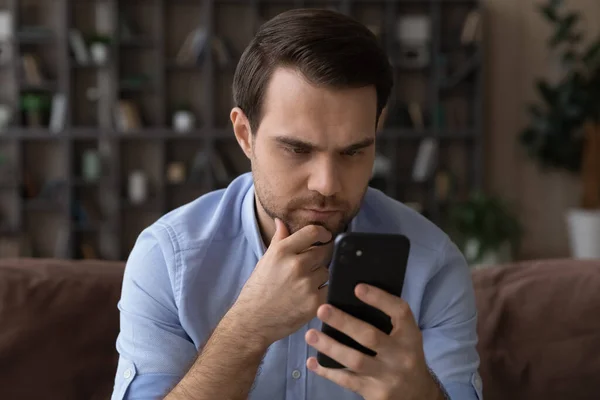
[548, 93]
[549, 12]
[564, 30]
[592, 52]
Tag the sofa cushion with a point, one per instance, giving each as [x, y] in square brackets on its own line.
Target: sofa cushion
[59, 325]
[539, 330]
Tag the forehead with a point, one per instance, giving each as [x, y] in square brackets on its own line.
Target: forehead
[294, 106]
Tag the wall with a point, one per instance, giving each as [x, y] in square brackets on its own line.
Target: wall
[517, 55]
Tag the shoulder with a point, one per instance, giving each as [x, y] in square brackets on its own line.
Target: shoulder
[215, 215]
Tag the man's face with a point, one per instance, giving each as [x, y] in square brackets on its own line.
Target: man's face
[313, 153]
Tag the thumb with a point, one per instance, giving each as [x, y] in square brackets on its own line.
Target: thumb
[281, 231]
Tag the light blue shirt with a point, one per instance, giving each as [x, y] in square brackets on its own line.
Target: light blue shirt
[187, 268]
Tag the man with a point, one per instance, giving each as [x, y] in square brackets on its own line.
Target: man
[223, 298]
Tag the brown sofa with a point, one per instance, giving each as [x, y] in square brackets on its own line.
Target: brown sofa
[539, 328]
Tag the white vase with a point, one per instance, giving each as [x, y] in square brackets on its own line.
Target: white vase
[99, 52]
[183, 121]
[138, 187]
[584, 233]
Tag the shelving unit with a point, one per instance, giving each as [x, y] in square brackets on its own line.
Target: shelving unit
[161, 27]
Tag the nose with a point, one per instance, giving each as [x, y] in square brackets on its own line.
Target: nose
[324, 177]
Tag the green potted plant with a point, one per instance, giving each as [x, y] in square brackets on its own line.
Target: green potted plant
[486, 229]
[100, 48]
[564, 125]
[35, 106]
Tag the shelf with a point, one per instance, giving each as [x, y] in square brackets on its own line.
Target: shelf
[43, 205]
[36, 36]
[84, 228]
[39, 87]
[13, 133]
[151, 205]
[81, 182]
[175, 67]
[137, 42]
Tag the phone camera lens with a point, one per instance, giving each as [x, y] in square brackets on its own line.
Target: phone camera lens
[359, 253]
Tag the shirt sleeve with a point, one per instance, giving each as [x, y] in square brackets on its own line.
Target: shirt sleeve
[449, 326]
[154, 350]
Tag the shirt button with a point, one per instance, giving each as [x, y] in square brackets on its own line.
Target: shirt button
[296, 374]
[127, 374]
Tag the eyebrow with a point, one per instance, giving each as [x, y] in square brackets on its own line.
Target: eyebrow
[293, 142]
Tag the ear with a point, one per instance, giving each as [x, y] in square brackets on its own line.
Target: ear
[241, 129]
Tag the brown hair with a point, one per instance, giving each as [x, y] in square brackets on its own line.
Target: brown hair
[328, 48]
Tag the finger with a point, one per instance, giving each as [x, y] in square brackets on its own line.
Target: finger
[281, 232]
[355, 360]
[317, 256]
[397, 309]
[344, 378]
[305, 238]
[364, 333]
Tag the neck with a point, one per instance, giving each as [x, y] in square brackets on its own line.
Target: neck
[266, 225]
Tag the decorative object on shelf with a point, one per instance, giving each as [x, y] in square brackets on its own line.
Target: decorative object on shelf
[472, 31]
[445, 186]
[6, 30]
[426, 159]
[413, 33]
[176, 173]
[35, 106]
[78, 47]
[127, 116]
[32, 70]
[183, 119]
[58, 113]
[486, 229]
[564, 130]
[100, 48]
[138, 187]
[5, 117]
[192, 49]
[91, 166]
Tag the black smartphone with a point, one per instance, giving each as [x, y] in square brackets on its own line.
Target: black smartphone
[376, 259]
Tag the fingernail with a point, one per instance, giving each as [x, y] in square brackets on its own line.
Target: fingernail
[312, 364]
[311, 338]
[326, 312]
[362, 289]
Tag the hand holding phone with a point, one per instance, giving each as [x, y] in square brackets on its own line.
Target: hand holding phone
[379, 260]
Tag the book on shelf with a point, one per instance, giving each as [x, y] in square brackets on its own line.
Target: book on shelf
[58, 113]
[426, 159]
[192, 48]
[31, 69]
[472, 32]
[127, 116]
[78, 47]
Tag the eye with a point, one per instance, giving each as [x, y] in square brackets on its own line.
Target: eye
[352, 153]
[297, 150]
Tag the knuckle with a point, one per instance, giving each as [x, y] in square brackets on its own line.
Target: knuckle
[403, 310]
[410, 362]
[371, 339]
[312, 230]
[357, 362]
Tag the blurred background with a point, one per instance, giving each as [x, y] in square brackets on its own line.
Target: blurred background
[113, 112]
